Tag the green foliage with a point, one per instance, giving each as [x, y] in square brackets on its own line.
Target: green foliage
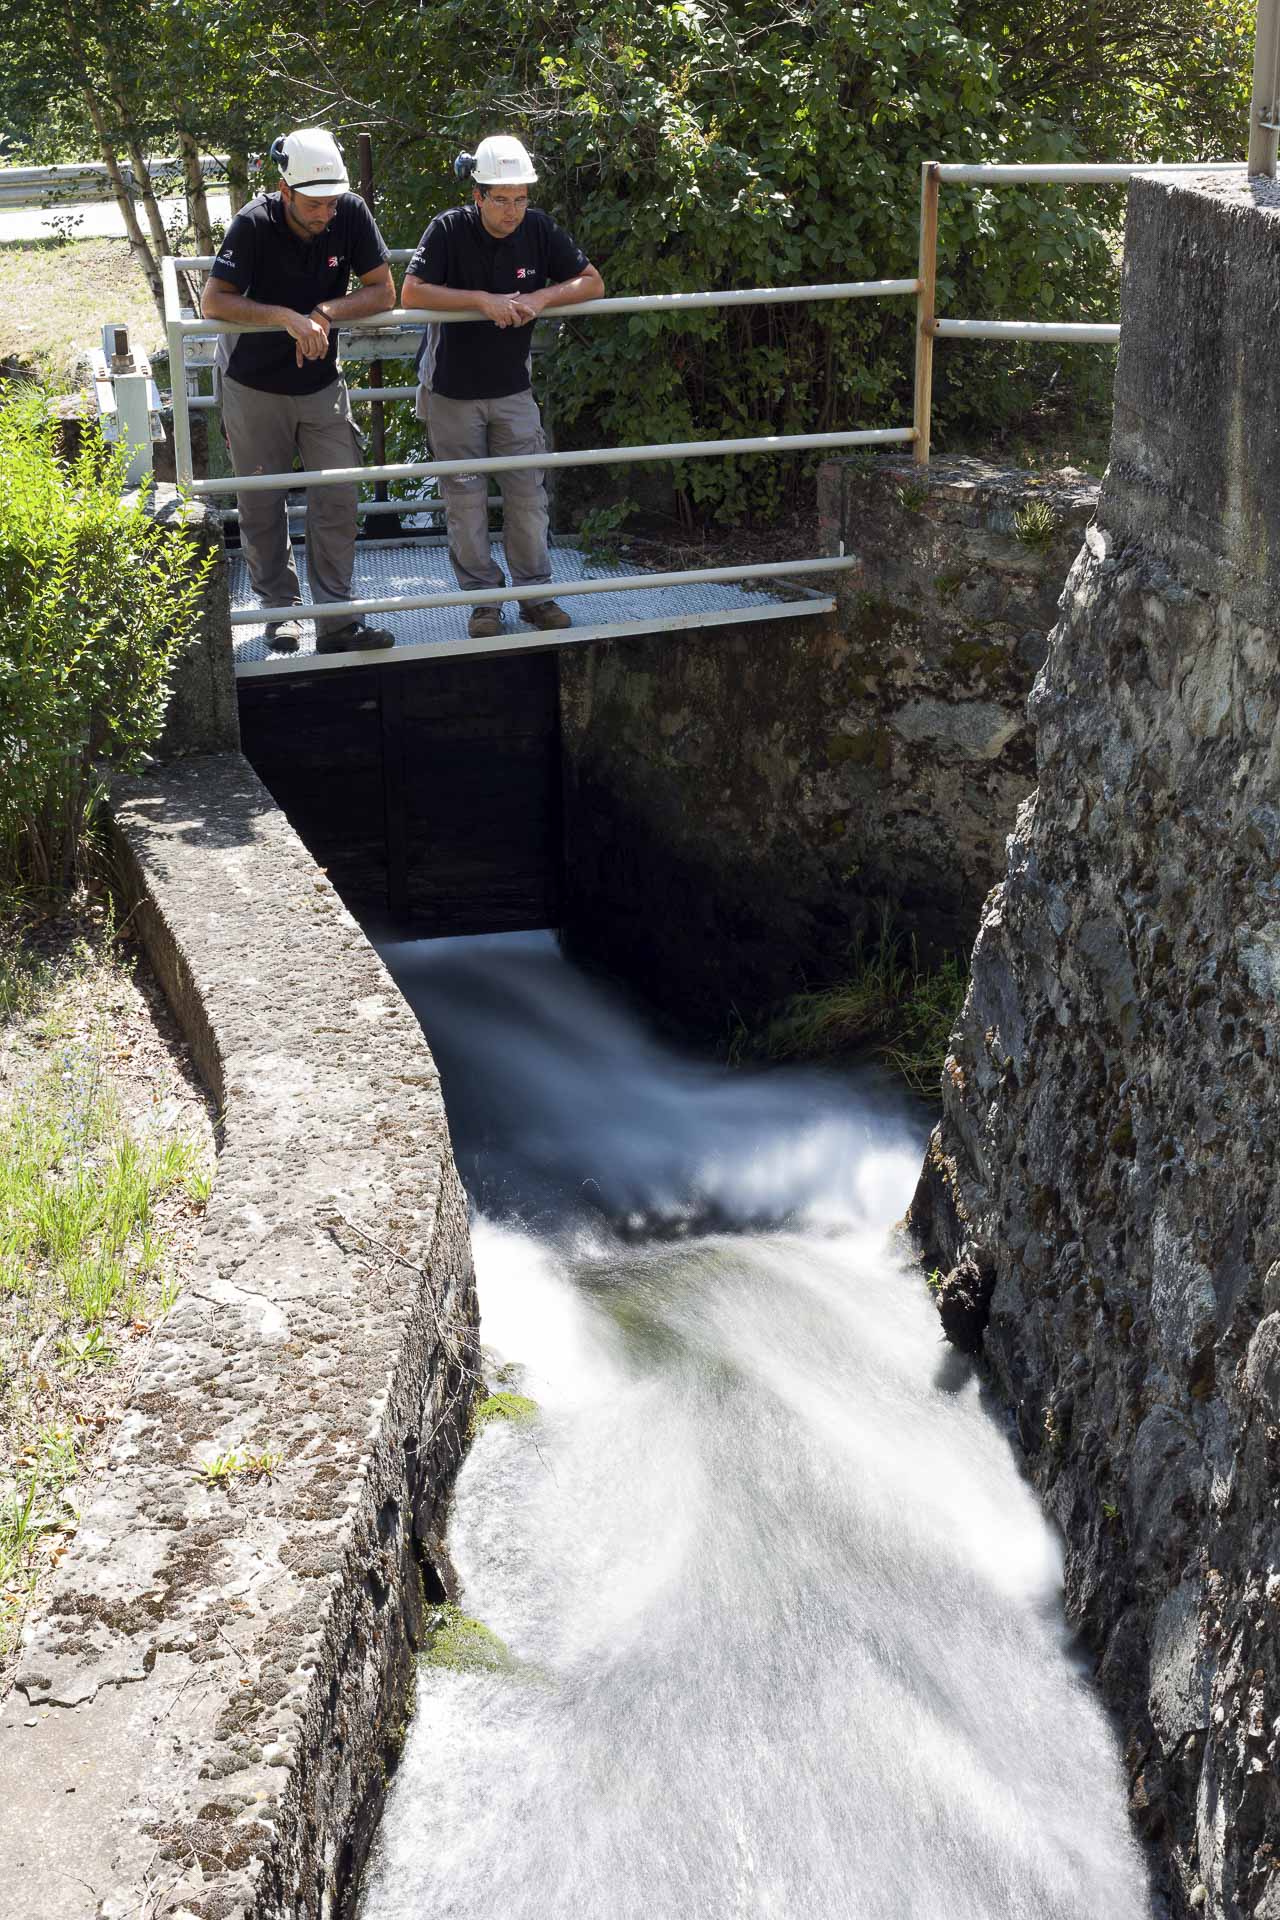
[224, 1468]
[887, 1005]
[98, 600]
[77, 1194]
[465, 1645]
[515, 1408]
[598, 532]
[708, 146]
[1035, 525]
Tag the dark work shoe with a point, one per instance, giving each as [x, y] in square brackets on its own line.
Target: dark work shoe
[485, 623]
[355, 637]
[546, 615]
[284, 636]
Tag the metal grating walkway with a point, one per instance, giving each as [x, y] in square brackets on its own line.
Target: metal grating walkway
[385, 567]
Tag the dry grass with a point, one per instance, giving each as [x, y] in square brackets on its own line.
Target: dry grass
[57, 298]
[106, 1160]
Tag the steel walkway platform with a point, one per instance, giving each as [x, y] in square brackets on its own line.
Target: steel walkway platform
[421, 566]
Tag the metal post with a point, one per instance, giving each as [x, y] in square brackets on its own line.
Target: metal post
[133, 417]
[1264, 114]
[377, 419]
[928, 277]
[177, 372]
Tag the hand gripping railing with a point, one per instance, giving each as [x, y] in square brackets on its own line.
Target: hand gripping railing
[180, 329]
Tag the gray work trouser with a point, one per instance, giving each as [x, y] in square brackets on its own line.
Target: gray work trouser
[465, 429]
[264, 432]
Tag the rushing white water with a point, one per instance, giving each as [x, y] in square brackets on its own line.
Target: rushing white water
[786, 1622]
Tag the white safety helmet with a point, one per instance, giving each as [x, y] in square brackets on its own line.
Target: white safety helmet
[501, 161]
[310, 163]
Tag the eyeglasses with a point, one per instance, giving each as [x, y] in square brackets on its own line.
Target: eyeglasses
[509, 202]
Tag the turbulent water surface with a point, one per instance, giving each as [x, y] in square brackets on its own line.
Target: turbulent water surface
[785, 1624]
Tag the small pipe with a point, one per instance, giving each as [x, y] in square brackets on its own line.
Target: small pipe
[1089, 173]
[560, 589]
[620, 303]
[1072, 332]
[521, 462]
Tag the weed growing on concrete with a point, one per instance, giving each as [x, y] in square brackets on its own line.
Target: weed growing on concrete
[223, 1468]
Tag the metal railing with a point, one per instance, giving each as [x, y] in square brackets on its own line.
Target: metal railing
[180, 330]
[929, 327]
[1264, 112]
[85, 183]
[369, 333]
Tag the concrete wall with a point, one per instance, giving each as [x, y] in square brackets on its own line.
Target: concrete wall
[202, 715]
[739, 804]
[1102, 1185]
[207, 1703]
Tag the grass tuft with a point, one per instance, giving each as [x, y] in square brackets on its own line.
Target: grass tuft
[888, 1006]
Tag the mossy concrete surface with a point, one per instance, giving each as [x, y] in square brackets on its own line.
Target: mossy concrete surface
[204, 1709]
[740, 805]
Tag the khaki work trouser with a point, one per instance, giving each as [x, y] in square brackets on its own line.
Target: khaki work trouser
[264, 431]
[467, 429]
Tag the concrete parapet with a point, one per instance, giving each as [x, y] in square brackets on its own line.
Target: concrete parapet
[205, 1709]
[1195, 457]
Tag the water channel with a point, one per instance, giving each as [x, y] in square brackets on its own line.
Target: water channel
[784, 1623]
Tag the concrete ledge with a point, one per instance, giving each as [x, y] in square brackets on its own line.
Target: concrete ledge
[203, 1713]
[1195, 462]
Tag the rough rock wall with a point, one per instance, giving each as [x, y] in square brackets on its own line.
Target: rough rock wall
[739, 804]
[1103, 1182]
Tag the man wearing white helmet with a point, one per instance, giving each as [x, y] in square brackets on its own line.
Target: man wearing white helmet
[287, 262]
[507, 262]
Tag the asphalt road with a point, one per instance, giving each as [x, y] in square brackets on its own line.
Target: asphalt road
[99, 220]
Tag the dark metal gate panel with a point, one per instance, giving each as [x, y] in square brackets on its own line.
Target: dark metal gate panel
[431, 791]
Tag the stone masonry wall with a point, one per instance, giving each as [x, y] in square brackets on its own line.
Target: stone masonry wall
[206, 1706]
[1103, 1183]
[740, 804]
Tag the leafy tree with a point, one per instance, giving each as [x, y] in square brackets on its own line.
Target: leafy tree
[723, 143]
[135, 80]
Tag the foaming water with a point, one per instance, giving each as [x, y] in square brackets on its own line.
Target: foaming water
[785, 1622]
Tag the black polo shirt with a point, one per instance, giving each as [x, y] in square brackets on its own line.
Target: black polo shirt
[476, 360]
[263, 258]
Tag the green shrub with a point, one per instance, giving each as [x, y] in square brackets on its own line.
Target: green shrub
[692, 147]
[96, 599]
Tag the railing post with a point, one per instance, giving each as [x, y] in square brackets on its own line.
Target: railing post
[377, 412]
[928, 277]
[182, 464]
[1264, 114]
